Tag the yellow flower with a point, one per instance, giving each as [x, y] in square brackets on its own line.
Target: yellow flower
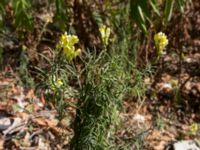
[67, 43]
[161, 42]
[59, 83]
[105, 34]
[194, 128]
[55, 83]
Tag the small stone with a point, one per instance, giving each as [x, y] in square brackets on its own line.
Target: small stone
[4, 123]
[185, 145]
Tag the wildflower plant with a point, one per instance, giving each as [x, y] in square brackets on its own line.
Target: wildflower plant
[99, 102]
[106, 77]
[61, 71]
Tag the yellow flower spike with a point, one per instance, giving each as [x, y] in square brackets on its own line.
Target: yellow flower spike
[161, 42]
[67, 43]
[105, 34]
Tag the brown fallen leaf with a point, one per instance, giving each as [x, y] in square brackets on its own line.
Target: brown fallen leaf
[40, 121]
[46, 122]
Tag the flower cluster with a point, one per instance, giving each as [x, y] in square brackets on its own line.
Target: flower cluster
[161, 42]
[67, 43]
[105, 34]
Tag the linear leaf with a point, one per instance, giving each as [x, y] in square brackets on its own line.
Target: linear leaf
[181, 4]
[138, 15]
[168, 9]
[154, 6]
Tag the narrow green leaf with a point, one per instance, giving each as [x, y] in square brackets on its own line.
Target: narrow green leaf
[141, 15]
[138, 15]
[144, 5]
[154, 6]
[181, 4]
[168, 9]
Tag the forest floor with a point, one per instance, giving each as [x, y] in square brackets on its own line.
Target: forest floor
[168, 112]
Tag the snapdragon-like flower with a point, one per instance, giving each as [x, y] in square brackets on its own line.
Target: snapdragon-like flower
[105, 34]
[161, 42]
[67, 43]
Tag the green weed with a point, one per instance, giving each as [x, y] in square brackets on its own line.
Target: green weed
[22, 13]
[99, 102]
[23, 70]
[142, 12]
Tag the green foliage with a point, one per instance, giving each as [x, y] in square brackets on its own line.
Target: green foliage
[2, 13]
[177, 97]
[106, 82]
[56, 80]
[61, 14]
[100, 98]
[142, 12]
[107, 78]
[23, 72]
[2, 4]
[181, 4]
[22, 13]
[155, 7]
[168, 9]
